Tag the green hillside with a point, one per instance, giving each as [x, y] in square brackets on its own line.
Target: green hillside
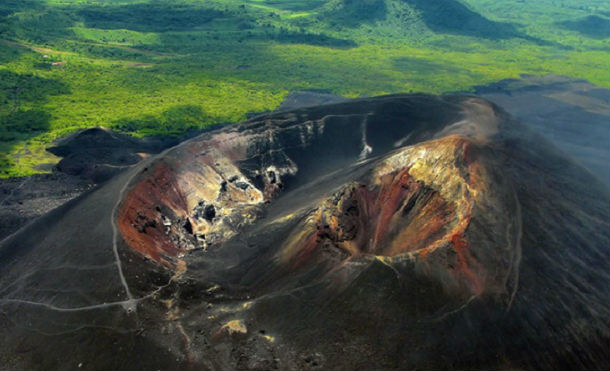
[169, 66]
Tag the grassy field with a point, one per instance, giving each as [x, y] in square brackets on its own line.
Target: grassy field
[161, 67]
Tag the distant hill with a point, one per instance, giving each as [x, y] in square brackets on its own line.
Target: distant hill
[442, 16]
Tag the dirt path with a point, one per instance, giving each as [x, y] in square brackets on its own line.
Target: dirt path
[36, 48]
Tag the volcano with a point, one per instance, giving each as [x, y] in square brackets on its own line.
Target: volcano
[396, 232]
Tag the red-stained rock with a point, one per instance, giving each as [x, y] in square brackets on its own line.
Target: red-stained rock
[140, 219]
[416, 204]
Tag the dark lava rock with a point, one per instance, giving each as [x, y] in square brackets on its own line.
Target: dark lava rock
[98, 154]
[573, 114]
[409, 232]
[22, 200]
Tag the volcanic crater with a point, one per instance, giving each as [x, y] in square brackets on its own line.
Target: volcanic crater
[372, 233]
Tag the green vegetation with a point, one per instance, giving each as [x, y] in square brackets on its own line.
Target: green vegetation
[163, 67]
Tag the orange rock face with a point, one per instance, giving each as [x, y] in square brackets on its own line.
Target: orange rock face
[399, 215]
[417, 204]
[192, 198]
[140, 220]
